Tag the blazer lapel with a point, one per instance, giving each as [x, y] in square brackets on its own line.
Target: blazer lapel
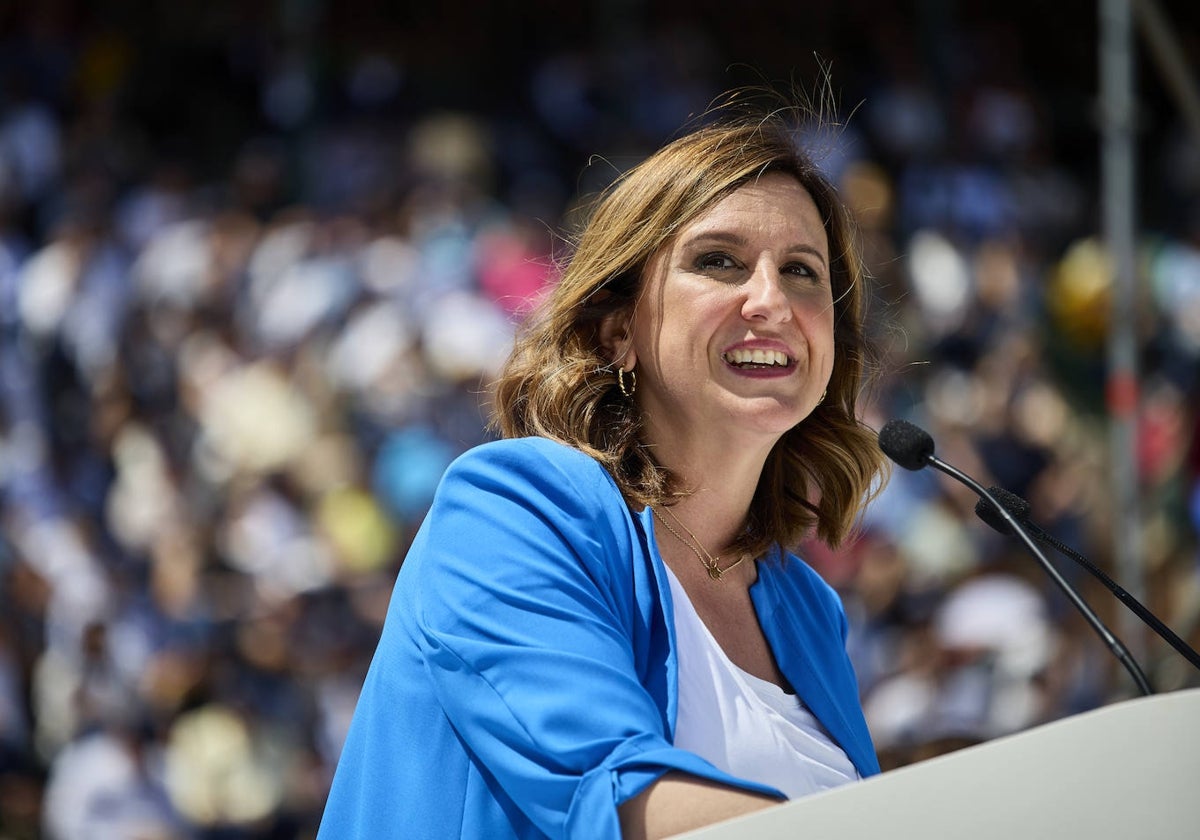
[805, 638]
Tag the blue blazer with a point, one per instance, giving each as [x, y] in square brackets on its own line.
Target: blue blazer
[525, 681]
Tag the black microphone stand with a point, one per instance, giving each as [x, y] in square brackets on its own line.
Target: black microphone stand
[1140, 610]
[1114, 644]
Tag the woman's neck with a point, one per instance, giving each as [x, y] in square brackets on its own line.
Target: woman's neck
[720, 484]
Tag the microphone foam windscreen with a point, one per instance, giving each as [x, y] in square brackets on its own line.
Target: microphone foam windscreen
[1011, 502]
[908, 445]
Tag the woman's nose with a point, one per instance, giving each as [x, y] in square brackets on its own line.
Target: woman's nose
[765, 297]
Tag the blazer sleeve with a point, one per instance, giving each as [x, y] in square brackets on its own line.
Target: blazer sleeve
[526, 613]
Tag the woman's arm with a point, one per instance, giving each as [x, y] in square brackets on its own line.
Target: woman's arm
[680, 802]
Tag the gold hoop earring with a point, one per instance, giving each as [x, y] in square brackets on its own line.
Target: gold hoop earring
[627, 390]
[824, 394]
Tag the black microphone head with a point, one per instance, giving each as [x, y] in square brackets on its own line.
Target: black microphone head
[1017, 507]
[909, 446]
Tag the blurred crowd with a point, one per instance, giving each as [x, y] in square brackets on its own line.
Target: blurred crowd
[229, 384]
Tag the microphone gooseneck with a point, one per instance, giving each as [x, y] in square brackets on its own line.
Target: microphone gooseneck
[912, 448]
[1019, 508]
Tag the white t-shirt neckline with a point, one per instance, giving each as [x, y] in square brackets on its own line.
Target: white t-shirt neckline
[743, 724]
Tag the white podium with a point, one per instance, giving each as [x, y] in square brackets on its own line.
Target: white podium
[1129, 771]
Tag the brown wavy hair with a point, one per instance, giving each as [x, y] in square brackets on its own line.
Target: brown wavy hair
[558, 383]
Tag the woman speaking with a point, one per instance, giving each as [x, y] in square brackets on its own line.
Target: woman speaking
[599, 630]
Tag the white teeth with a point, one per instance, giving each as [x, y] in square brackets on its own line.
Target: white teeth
[756, 357]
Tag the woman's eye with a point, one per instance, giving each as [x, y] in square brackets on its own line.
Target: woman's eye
[800, 270]
[720, 261]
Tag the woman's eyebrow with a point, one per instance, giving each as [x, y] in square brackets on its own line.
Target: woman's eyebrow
[810, 250]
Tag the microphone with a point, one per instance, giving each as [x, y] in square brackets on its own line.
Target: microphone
[1019, 508]
[912, 447]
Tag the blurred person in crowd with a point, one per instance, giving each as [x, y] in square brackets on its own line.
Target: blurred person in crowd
[599, 630]
[31, 147]
[107, 783]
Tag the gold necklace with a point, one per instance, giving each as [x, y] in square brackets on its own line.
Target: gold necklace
[711, 564]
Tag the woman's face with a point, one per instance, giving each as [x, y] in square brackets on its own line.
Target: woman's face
[732, 334]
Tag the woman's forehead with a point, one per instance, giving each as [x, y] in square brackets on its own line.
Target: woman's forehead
[776, 202]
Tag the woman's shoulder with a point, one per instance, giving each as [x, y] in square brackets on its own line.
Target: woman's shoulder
[537, 464]
[527, 491]
[517, 453]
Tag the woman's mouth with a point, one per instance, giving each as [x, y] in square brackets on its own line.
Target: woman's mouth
[756, 359]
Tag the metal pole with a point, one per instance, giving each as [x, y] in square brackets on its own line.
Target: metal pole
[1119, 202]
[1171, 61]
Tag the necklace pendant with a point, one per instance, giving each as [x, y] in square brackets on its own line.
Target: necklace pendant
[714, 573]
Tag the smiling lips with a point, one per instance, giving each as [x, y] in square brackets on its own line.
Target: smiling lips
[757, 359]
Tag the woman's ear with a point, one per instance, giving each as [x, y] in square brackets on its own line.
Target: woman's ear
[616, 339]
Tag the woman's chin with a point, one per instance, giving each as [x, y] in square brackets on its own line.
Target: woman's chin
[766, 416]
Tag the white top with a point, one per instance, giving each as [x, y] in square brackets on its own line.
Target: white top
[745, 725]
